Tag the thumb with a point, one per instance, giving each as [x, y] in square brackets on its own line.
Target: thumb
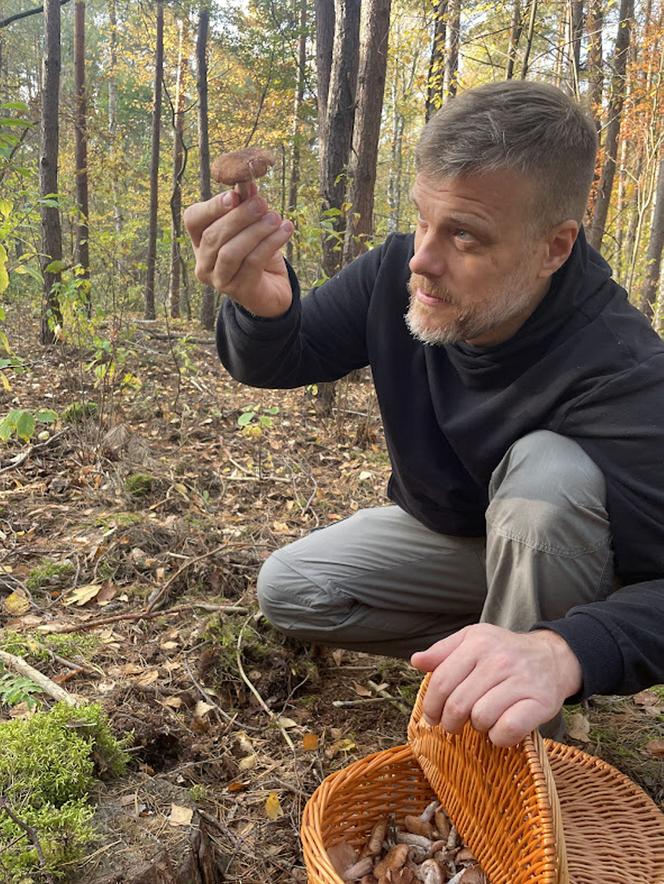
[426, 661]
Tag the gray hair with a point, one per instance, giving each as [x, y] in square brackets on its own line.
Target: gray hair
[528, 127]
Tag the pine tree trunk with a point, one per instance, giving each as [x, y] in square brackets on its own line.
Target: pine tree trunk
[515, 37]
[655, 247]
[396, 162]
[113, 121]
[154, 164]
[370, 93]
[605, 188]
[209, 299]
[294, 183]
[324, 43]
[594, 25]
[48, 171]
[561, 46]
[178, 169]
[532, 17]
[337, 135]
[576, 33]
[452, 54]
[436, 74]
[81, 135]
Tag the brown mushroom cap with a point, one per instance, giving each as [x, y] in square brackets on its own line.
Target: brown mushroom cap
[242, 165]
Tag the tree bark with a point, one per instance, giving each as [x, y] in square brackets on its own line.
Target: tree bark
[366, 132]
[154, 164]
[324, 44]
[436, 74]
[209, 299]
[515, 37]
[113, 120]
[576, 32]
[655, 247]
[452, 53]
[48, 172]
[178, 169]
[601, 210]
[594, 25]
[338, 131]
[81, 135]
[294, 183]
[532, 17]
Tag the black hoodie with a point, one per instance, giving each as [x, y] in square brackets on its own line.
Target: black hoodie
[586, 364]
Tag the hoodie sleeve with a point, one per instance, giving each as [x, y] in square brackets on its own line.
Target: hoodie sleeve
[322, 337]
[620, 640]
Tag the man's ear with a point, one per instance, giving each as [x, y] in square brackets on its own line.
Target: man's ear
[558, 247]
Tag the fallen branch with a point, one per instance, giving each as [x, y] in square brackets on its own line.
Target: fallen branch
[62, 628]
[32, 835]
[342, 704]
[245, 678]
[18, 664]
[377, 689]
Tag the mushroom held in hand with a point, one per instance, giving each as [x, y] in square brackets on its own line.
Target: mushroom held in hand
[241, 167]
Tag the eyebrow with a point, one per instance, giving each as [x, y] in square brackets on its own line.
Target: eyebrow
[460, 219]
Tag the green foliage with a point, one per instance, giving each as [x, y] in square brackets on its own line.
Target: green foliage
[35, 648]
[49, 574]
[139, 485]
[23, 423]
[79, 412]
[16, 689]
[256, 418]
[46, 771]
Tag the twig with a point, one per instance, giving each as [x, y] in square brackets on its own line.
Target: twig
[32, 835]
[252, 688]
[18, 664]
[61, 628]
[154, 601]
[377, 689]
[341, 704]
[21, 458]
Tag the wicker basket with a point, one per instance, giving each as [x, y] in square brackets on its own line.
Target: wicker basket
[613, 833]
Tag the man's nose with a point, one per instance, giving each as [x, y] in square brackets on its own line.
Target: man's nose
[427, 259]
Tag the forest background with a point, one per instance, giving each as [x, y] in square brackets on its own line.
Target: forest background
[138, 483]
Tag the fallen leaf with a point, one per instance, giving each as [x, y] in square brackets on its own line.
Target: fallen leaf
[578, 728]
[338, 655]
[106, 594]
[286, 723]
[237, 786]
[148, 677]
[343, 745]
[173, 702]
[273, 809]
[169, 646]
[280, 528]
[16, 603]
[81, 595]
[202, 709]
[655, 748]
[310, 742]
[365, 475]
[248, 762]
[180, 816]
[361, 691]
[128, 669]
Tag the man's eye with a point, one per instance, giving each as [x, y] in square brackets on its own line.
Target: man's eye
[460, 231]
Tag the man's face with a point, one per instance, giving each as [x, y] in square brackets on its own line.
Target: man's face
[475, 276]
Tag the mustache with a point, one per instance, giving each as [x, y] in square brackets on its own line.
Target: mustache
[429, 288]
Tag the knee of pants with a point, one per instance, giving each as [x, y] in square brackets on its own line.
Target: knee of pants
[295, 604]
[548, 493]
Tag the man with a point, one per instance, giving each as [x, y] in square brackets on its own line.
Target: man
[522, 397]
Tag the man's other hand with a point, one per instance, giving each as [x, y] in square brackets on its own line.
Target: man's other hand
[504, 683]
[238, 251]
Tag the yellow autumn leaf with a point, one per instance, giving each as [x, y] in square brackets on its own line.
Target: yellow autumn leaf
[82, 594]
[310, 742]
[273, 809]
[16, 603]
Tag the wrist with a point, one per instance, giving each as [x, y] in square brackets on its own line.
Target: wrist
[566, 664]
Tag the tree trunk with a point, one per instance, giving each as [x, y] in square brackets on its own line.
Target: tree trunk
[515, 37]
[48, 172]
[396, 162]
[655, 247]
[154, 164]
[324, 44]
[113, 121]
[82, 232]
[576, 32]
[209, 299]
[452, 54]
[294, 183]
[370, 92]
[561, 47]
[178, 169]
[532, 17]
[338, 132]
[613, 128]
[594, 25]
[436, 74]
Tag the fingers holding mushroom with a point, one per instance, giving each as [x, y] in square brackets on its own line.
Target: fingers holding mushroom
[241, 168]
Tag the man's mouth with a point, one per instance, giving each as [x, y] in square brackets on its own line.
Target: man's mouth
[430, 299]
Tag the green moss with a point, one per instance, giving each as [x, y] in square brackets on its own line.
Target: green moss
[139, 485]
[78, 412]
[46, 770]
[49, 574]
[36, 647]
[119, 520]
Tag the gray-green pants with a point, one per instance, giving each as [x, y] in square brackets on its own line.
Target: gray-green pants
[381, 582]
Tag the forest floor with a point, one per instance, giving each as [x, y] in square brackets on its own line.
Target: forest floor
[175, 510]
